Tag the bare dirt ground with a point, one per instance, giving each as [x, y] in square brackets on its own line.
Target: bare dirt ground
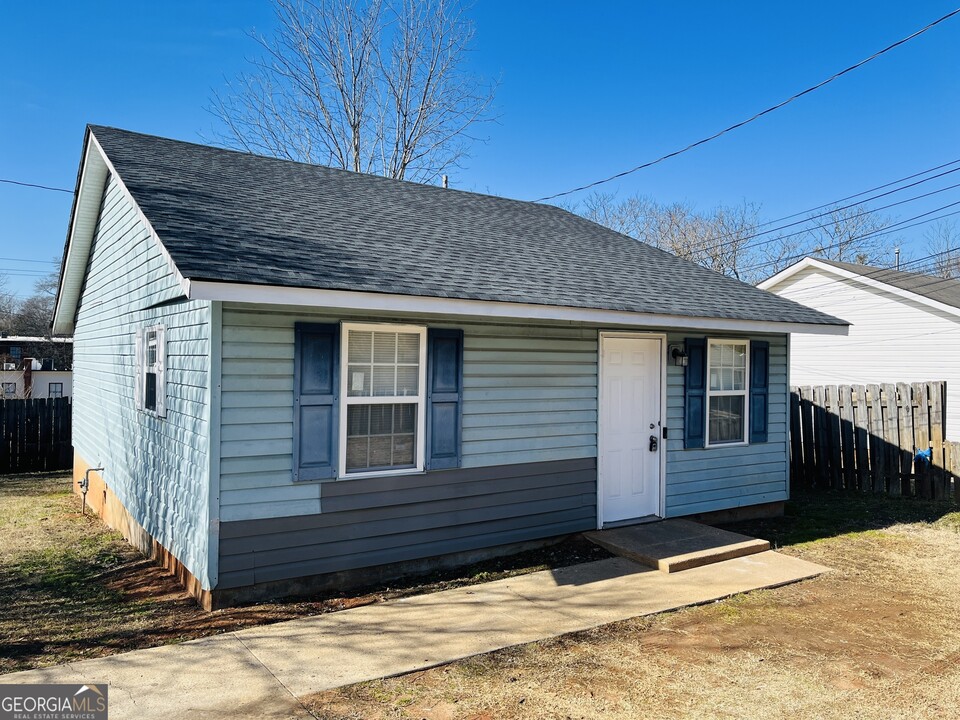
[879, 637]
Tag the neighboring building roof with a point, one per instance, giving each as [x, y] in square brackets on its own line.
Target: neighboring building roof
[232, 217]
[928, 289]
[940, 289]
[24, 339]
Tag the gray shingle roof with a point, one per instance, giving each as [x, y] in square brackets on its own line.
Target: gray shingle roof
[940, 289]
[235, 217]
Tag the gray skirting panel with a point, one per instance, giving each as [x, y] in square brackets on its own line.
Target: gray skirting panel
[377, 521]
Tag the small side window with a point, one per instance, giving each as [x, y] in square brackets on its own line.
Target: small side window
[9, 389]
[55, 390]
[151, 363]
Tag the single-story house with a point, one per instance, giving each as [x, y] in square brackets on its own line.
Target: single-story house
[903, 327]
[288, 376]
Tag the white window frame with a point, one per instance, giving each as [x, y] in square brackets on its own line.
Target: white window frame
[3, 390]
[157, 368]
[345, 401]
[745, 393]
[50, 389]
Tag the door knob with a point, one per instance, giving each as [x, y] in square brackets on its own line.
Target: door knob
[653, 443]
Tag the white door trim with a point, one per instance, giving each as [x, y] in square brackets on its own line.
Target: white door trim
[662, 337]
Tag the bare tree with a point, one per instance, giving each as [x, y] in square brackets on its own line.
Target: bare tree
[32, 315]
[943, 244]
[374, 86]
[719, 239]
[849, 234]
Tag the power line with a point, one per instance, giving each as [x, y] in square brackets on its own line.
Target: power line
[758, 115]
[873, 189]
[34, 185]
[24, 260]
[834, 207]
[889, 229]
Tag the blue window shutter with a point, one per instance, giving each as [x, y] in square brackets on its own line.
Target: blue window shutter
[759, 390]
[444, 397]
[316, 389]
[695, 400]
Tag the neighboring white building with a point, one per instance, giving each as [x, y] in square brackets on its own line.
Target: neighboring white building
[52, 384]
[905, 327]
[20, 384]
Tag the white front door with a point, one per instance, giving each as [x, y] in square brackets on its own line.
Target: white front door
[630, 433]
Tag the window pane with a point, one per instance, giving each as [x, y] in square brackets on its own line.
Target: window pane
[381, 437]
[726, 419]
[408, 380]
[727, 375]
[151, 347]
[408, 348]
[384, 347]
[384, 380]
[360, 344]
[358, 380]
[150, 392]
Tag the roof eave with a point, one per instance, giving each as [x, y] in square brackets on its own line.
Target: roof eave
[95, 168]
[419, 304]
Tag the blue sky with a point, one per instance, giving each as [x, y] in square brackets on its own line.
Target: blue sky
[586, 90]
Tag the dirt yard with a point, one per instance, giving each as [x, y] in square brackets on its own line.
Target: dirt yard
[879, 637]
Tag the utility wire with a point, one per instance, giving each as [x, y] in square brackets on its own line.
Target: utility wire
[866, 192]
[834, 207]
[880, 232]
[821, 226]
[757, 116]
[34, 185]
[43, 262]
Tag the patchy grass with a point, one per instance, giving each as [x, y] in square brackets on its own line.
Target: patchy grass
[812, 516]
[876, 638]
[70, 588]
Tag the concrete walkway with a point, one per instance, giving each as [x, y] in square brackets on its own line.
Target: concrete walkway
[259, 672]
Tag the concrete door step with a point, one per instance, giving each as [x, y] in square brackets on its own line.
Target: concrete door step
[674, 545]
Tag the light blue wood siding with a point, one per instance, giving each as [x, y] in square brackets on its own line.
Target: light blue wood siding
[530, 395]
[157, 467]
[703, 480]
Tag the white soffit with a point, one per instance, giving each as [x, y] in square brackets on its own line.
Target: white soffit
[412, 304]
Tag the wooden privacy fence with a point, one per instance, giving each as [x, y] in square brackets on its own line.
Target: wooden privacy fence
[35, 435]
[866, 437]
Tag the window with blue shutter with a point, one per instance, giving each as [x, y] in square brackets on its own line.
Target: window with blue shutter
[444, 397]
[759, 390]
[694, 417]
[363, 382]
[315, 401]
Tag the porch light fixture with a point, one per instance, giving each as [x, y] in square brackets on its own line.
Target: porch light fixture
[679, 355]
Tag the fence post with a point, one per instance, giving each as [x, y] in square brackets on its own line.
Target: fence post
[796, 439]
[861, 420]
[907, 442]
[846, 437]
[935, 392]
[809, 439]
[821, 444]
